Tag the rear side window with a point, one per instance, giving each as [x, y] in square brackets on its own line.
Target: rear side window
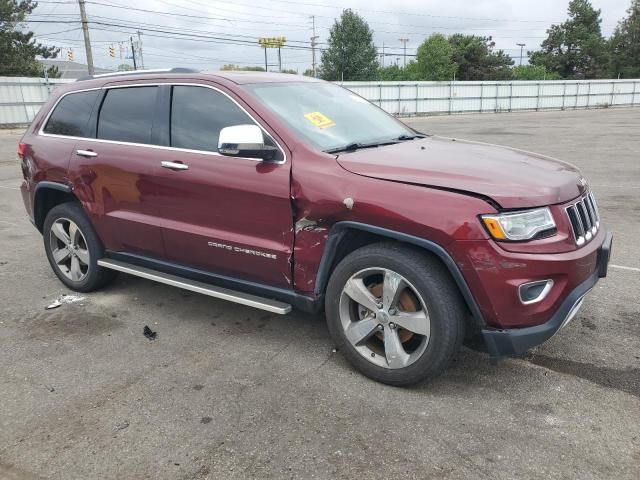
[71, 115]
[198, 114]
[126, 114]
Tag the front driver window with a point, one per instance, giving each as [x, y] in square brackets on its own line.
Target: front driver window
[199, 113]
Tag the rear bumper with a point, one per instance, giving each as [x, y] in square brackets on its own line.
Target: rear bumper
[516, 341]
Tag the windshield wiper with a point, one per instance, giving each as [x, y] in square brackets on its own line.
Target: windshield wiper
[408, 137]
[352, 147]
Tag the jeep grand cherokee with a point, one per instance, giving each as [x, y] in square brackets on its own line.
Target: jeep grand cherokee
[276, 191]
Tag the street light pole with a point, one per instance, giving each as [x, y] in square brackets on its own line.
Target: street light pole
[521, 45]
[133, 54]
[314, 38]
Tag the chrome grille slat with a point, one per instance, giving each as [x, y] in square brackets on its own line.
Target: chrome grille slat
[591, 213]
[592, 200]
[584, 219]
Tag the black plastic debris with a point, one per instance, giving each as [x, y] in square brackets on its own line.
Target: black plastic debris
[150, 334]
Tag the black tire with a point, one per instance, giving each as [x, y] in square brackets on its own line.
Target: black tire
[93, 276]
[432, 281]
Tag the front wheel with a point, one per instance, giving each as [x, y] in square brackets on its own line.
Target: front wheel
[395, 312]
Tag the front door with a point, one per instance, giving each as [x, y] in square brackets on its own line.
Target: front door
[227, 215]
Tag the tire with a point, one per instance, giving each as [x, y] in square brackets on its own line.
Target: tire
[419, 309]
[73, 248]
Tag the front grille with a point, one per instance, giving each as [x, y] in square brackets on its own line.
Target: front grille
[584, 219]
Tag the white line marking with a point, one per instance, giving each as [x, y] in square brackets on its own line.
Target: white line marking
[8, 223]
[633, 269]
[9, 188]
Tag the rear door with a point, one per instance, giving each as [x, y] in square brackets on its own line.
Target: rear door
[226, 215]
[55, 143]
[116, 173]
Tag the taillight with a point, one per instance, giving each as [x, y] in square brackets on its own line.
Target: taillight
[21, 148]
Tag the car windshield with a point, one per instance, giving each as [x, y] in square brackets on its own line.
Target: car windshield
[330, 117]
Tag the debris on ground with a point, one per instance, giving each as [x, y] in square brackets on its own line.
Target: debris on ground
[63, 300]
[121, 425]
[53, 305]
[150, 334]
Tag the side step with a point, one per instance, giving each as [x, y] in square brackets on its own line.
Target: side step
[247, 299]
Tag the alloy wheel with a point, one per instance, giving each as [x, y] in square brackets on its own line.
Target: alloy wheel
[69, 249]
[384, 317]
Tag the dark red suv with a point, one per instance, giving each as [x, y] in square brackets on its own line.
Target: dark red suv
[276, 191]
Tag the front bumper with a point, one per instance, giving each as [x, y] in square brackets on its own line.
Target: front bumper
[518, 340]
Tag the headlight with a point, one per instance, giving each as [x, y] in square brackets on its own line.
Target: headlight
[519, 225]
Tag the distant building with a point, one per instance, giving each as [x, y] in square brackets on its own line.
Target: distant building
[70, 69]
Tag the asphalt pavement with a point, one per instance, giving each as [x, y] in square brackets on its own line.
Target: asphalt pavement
[225, 391]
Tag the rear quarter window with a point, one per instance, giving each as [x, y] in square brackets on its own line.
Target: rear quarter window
[70, 116]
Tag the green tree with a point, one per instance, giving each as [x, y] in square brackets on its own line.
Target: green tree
[392, 73]
[434, 60]
[124, 67]
[351, 54]
[533, 72]
[576, 48]
[18, 49]
[624, 45]
[232, 66]
[477, 60]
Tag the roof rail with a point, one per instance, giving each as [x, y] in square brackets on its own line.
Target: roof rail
[140, 72]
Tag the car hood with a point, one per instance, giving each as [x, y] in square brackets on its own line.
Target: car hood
[512, 178]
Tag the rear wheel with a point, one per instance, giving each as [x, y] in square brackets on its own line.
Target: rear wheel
[395, 313]
[73, 248]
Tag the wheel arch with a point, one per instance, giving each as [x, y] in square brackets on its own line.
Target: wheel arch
[346, 236]
[46, 196]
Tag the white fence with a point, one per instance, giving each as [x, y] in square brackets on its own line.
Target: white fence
[423, 98]
[21, 97]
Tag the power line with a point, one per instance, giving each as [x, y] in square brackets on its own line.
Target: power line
[205, 36]
[280, 23]
[396, 12]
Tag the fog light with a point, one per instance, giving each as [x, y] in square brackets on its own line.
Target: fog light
[533, 292]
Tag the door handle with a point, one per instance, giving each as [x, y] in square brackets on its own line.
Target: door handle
[174, 165]
[86, 153]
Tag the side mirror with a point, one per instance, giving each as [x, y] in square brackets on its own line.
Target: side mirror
[244, 141]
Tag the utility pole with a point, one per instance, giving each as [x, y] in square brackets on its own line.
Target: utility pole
[140, 49]
[133, 52]
[87, 40]
[382, 54]
[313, 46]
[521, 45]
[404, 45]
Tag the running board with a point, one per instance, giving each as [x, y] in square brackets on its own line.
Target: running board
[222, 293]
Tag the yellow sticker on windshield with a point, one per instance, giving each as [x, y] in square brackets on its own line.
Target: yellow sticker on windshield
[319, 120]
